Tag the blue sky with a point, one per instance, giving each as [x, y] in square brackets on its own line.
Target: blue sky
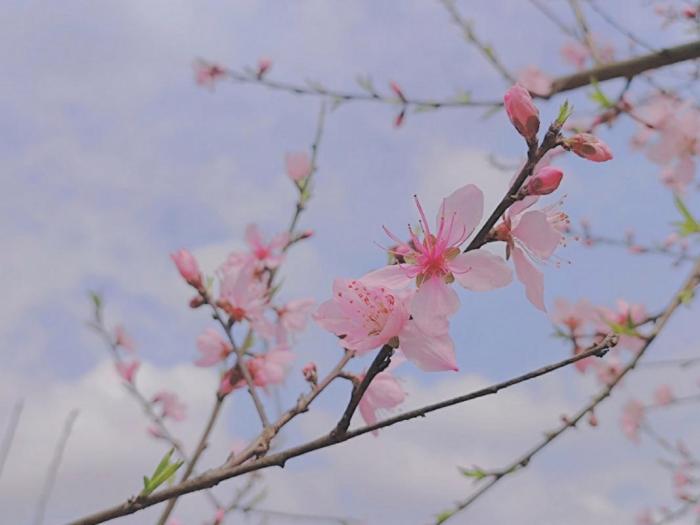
[112, 158]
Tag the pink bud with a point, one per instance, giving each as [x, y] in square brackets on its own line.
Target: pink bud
[545, 181]
[394, 86]
[298, 165]
[188, 267]
[122, 339]
[264, 64]
[306, 234]
[589, 147]
[310, 373]
[522, 111]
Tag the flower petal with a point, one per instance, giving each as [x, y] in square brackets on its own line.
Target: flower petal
[535, 232]
[392, 276]
[432, 304]
[531, 277]
[462, 211]
[429, 352]
[480, 270]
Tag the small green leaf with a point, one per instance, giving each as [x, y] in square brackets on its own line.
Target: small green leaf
[598, 96]
[689, 225]
[565, 111]
[443, 517]
[475, 472]
[163, 472]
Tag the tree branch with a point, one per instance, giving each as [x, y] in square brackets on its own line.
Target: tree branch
[217, 475]
[10, 433]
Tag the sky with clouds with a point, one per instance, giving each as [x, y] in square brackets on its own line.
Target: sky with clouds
[112, 158]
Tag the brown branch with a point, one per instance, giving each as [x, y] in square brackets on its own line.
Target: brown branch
[534, 155]
[10, 431]
[626, 68]
[690, 284]
[53, 468]
[217, 475]
[381, 361]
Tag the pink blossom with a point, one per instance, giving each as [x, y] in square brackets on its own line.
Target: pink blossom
[174, 521]
[532, 236]
[264, 65]
[292, 317]
[535, 81]
[271, 367]
[627, 316]
[437, 260]
[127, 371]
[383, 393]
[367, 317]
[298, 165]
[575, 53]
[265, 369]
[663, 395]
[188, 268]
[267, 254]
[545, 181]
[241, 293]
[212, 347]
[219, 517]
[207, 74]
[522, 112]
[632, 419]
[573, 316]
[589, 147]
[171, 405]
[608, 372]
[156, 432]
[122, 339]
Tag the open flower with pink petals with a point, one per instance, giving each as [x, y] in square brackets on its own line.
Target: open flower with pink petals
[127, 370]
[632, 419]
[292, 318]
[367, 317]
[207, 74]
[531, 237]
[436, 260]
[241, 294]
[213, 347]
[267, 254]
[170, 404]
[271, 367]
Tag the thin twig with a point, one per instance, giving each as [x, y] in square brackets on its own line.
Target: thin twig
[10, 431]
[53, 468]
[471, 37]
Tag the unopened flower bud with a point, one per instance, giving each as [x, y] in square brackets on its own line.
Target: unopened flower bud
[522, 112]
[310, 373]
[592, 419]
[589, 147]
[397, 90]
[196, 302]
[264, 64]
[298, 165]
[545, 181]
[188, 268]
